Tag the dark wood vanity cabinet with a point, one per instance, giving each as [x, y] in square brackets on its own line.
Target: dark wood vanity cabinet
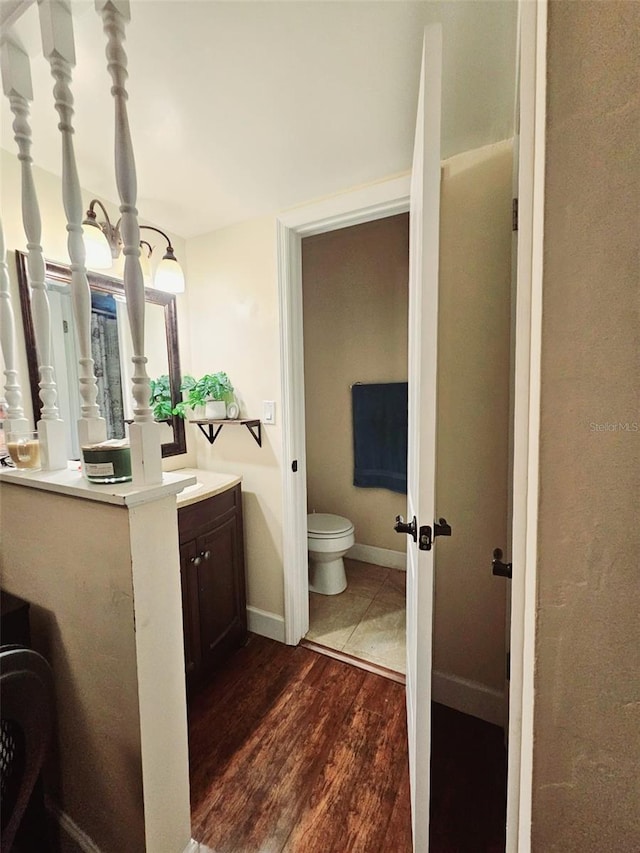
[213, 582]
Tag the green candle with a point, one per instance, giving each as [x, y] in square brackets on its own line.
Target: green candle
[107, 462]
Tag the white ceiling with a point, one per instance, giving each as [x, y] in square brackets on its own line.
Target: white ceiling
[240, 109]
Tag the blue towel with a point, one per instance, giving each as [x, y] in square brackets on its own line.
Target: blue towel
[380, 436]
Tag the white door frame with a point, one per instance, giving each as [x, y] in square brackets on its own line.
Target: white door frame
[526, 428]
[365, 205]
[386, 199]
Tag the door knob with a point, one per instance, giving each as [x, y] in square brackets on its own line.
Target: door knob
[441, 528]
[503, 570]
[411, 528]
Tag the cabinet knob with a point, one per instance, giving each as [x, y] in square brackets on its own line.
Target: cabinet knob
[206, 555]
[196, 560]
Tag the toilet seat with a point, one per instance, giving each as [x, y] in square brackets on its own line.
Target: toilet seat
[325, 525]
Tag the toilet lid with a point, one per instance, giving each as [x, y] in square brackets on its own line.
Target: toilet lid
[324, 523]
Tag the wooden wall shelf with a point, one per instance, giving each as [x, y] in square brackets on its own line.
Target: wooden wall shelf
[210, 428]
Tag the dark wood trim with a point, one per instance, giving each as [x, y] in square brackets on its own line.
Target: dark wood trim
[61, 273]
[29, 333]
[383, 671]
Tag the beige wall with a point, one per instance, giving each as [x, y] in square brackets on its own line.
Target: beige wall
[106, 613]
[54, 244]
[587, 700]
[83, 622]
[233, 297]
[473, 412]
[355, 303]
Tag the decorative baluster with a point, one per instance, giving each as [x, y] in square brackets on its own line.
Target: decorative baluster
[56, 26]
[16, 81]
[144, 433]
[15, 421]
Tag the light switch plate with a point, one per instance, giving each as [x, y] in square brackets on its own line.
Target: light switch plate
[268, 412]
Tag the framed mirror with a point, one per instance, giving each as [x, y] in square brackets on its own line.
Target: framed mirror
[111, 349]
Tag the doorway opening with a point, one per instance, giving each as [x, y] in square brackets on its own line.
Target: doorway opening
[355, 320]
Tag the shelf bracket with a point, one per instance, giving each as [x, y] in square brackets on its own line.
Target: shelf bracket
[211, 429]
[255, 428]
[209, 432]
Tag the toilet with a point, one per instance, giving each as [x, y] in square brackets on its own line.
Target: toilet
[329, 537]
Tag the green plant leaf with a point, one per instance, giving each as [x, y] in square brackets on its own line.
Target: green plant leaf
[187, 383]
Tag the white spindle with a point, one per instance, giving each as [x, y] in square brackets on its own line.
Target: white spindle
[144, 433]
[58, 47]
[15, 420]
[16, 81]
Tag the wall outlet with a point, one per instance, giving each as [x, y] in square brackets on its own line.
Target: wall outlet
[268, 412]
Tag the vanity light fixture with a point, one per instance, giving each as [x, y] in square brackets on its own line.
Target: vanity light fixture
[103, 245]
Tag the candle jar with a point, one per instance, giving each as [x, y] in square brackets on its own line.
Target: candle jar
[107, 462]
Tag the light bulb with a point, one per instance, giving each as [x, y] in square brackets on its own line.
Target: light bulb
[169, 276]
[98, 252]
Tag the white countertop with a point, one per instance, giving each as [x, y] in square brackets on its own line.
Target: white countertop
[208, 484]
[70, 482]
[190, 485]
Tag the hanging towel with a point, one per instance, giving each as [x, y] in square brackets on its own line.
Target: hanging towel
[380, 436]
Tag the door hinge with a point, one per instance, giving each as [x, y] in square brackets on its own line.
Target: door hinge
[65, 327]
[514, 214]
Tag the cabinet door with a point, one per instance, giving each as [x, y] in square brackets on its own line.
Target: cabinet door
[221, 591]
[190, 616]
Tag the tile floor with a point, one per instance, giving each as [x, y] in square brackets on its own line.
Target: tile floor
[367, 620]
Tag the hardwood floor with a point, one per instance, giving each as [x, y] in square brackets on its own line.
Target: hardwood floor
[468, 784]
[294, 752]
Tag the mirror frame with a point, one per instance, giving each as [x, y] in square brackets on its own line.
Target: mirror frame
[62, 273]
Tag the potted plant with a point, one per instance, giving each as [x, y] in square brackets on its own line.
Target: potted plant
[210, 394]
[160, 399]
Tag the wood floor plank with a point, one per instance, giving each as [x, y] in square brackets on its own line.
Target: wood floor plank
[375, 791]
[248, 657]
[398, 833]
[350, 804]
[382, 696]
[328, 674]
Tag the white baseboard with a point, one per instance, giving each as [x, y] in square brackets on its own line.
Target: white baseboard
[71, 828]
[196, 847]
[467, 696]
[378, 556]
[86, 844]
[266, 624]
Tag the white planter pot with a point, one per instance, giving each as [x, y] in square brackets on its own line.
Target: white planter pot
[215, 409]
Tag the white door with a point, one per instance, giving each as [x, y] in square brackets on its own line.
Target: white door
[423, 351]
